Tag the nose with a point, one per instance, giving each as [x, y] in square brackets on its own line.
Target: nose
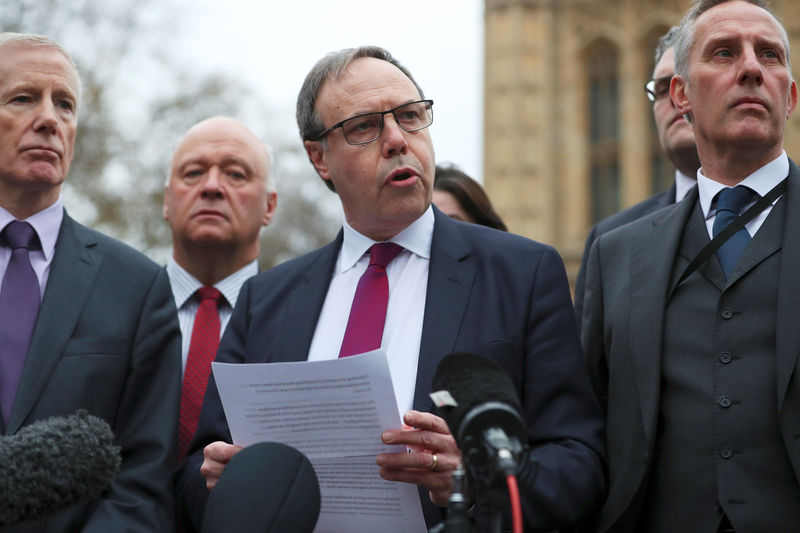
[46, 120]
[212, 185]
[750, 69]
[394, 137]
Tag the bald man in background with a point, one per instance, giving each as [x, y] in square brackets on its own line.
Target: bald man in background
[217, 198]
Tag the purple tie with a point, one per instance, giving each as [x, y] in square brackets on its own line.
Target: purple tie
[368, 313]
[19, 305]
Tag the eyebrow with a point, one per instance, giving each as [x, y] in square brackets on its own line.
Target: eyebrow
[358, 114]
[202, 159]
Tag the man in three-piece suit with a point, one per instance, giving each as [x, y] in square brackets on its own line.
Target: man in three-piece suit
[677, 141]
[94, 324]
[695, 361]
[452, 287]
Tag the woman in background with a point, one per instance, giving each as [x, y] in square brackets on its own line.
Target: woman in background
[462, 198]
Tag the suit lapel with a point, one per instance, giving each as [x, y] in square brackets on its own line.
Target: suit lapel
[652, 258]
[450, 278]
[787, 332]
[69, 284]
[302, 308]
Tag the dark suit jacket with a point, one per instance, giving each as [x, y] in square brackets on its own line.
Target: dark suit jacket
[627, 286]
[645, 207]
[107, 340]
[489, 292]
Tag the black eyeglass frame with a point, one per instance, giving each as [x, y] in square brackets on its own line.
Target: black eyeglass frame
[650, 88]
[429, 104]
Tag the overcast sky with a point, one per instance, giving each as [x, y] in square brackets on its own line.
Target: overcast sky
[273, 44]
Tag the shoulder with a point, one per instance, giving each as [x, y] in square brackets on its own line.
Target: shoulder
[113, 253]
[475, 243]
[309, 266]
[635, 212]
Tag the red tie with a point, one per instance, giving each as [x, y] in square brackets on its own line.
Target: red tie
[202, 349]
[368, 313]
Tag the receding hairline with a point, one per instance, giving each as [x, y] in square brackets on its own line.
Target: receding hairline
[33, 40]
[202, 128]
[687, 32]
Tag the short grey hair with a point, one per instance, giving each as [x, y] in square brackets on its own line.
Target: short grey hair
[32, 39]
[665, 42]
[331, 67]
[685, 38]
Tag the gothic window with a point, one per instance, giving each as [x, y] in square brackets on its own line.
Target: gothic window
[603, 73]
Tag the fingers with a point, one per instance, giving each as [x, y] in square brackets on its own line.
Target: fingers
[426, 432]
[416, 468]
[434, 455]
[427, 421]
[215, 456]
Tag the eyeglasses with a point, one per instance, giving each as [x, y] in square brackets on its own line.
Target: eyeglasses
[658, 88]
[363, 129]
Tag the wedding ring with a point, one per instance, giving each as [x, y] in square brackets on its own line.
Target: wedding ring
[434, 463]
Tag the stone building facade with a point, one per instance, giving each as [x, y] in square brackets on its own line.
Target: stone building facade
[568, 131]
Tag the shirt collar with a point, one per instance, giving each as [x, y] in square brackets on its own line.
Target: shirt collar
[762, 181]
[184, 285]
[416, 238]
[683, 184]
[46, 222]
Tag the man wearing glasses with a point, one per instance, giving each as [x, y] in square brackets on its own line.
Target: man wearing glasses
[677, 141]
[452, 287]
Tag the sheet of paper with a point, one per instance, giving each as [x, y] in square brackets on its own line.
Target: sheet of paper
[334, 412]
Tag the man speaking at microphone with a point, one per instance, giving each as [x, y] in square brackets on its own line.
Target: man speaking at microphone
[404, 277]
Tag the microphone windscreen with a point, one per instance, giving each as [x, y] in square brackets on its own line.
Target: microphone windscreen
[266, 488]
[52, 464]
[472, 379]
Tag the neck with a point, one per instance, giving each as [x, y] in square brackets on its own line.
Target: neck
[734, 165]
[212, 265]
[26, 203]
[687, 163]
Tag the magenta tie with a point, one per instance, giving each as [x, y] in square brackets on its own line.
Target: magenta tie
[20, 299]
[368, 313]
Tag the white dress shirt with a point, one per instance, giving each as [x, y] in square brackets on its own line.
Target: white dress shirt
[683, 184]
[762, 181]
[184, 285]
[408, 284]
[47, 224]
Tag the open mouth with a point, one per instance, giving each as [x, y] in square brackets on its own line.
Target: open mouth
[401, 176]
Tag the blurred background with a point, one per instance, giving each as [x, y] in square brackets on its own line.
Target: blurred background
[540, 100]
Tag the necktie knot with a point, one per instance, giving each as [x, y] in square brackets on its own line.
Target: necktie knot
[209, 293]
[735, 198]
[20, 235]
[382, 253]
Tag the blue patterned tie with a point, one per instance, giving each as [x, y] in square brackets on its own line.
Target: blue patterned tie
[729, 204]
[20, 299]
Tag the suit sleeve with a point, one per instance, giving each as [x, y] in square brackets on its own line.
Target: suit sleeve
[190, 485]
[592, 327]
[580, 282]
[563, 479]
[140, 498]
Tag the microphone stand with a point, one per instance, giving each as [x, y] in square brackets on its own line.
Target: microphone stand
[457, 518]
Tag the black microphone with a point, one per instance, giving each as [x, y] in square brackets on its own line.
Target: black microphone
[52, 464]
[266, 488]
[476, 398]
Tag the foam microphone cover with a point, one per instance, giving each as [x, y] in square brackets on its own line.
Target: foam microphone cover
[52, 464]
[472, 380]
[266, 488]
